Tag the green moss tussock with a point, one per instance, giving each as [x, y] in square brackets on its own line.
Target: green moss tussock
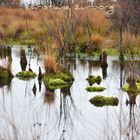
[26, 75]
[100, 101]
[95, 89]
[132, 91]
[94, 79]
[57, 83]
[63, 75]
[57, 80]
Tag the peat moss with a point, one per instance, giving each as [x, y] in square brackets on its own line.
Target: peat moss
[132, 91]
[26, 75]
[93, 79]
[64, 75]
[57, 83]
[57, 80]
[95, 89]
[100, 101]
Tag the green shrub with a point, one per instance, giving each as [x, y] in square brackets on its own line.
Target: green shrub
[100, 101]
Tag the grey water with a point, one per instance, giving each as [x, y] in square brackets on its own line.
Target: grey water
[67, 114]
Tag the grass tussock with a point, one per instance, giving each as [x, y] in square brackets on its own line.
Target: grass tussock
[95, 89]
[126, 88]
[94, 79]
[26, 75]
[100, 101]
[50, 63]
[60, 79]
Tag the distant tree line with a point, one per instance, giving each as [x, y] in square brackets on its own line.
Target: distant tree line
[10, 3]
[126, 16]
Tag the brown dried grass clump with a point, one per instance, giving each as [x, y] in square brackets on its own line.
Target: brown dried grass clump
[50, 63]
[97, 39]
[2, 33]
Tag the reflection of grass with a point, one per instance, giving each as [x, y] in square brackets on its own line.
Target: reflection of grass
[100, 101]
[132, 91]
[49, 96]
[26, 75]
[95, 89]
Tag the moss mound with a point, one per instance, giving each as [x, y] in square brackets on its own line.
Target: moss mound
[5, 73]
[26, 75]
[5, 81]
[63, 75]
[94, 79]
[100, 101]
[95, 89]
[57, 83]
[132, 91]
[57, 80]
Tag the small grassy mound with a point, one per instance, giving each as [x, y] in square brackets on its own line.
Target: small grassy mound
[95, 89]
[5, 73]
[58, 80]
[26, 75]
[132, 91]
[57, 83]
[93, 79]
[100, 101]
[63, 75]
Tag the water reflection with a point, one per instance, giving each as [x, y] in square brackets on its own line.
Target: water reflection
[66, 121]
[104, 65]
[34, 89]
[23, 60]
[133, 129]
[49, 96]
[5, 82]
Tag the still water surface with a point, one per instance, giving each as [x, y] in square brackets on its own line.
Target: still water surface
[66, 114]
